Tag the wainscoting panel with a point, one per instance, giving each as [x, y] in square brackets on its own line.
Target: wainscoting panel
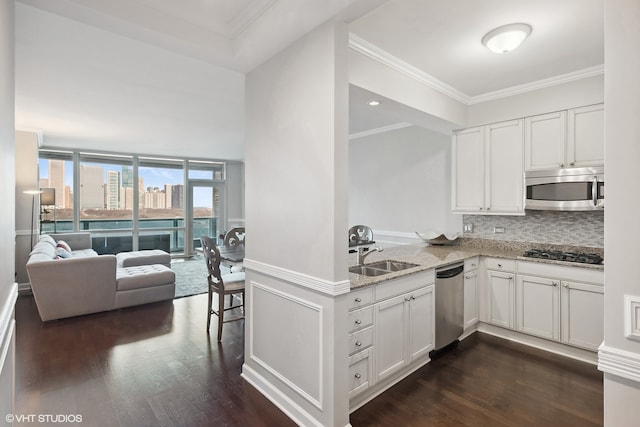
[7, 352]
[281, 325]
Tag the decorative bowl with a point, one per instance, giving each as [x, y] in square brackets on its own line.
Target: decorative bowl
[433, 238]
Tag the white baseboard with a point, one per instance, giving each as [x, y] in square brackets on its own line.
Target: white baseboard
[278, 398]
[542, 344]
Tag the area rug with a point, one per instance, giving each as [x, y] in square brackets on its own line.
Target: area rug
[191, 277]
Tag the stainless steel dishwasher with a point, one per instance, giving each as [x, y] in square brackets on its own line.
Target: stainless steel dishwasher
[449, 304]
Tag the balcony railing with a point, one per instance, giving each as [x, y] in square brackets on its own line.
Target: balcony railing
[115, 235]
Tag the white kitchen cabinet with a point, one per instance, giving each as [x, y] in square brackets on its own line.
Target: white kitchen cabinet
[504, 168]
[572, 138]
[360, 319]
[538, 306]
[544, 141]
[582, 314]
[585, 136]
[468, 172]
[501, 298]
[561, 303]
[470, 292]
[487, 165]
[404, 330]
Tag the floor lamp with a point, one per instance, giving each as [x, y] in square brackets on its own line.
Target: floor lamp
[33, 208]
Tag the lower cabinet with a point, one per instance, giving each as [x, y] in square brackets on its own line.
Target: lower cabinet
[470, 298]
[560, 310]
[582, 314]
[501, 298]
[403, 330]
[391, 331]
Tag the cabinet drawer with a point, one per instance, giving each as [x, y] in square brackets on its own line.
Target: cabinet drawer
[360, 319]
[359, 372]
[402, 285]
[471, 263]
[360, 298]
[360, 340]
[501, 264]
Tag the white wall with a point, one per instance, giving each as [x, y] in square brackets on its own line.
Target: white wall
[555, 98]
[26, 176]
[296, 216]
[8, 288]
[620, 357]
[378, 78]
[400, 181]
[235, 194]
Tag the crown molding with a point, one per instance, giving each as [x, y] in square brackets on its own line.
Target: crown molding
[540, 84]
[382, 129]
[374, 52]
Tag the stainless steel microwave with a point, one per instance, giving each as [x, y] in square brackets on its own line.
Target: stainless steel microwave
[567, 189]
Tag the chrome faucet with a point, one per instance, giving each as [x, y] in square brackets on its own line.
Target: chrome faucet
[361, 254]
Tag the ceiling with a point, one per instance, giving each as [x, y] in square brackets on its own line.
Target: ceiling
[167, 77]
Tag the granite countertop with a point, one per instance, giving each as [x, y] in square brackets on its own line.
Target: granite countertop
[428, 257]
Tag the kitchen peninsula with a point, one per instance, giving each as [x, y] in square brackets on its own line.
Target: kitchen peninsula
[555, 305]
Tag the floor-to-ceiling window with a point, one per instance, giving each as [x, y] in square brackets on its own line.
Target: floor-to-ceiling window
[56, 181]
[133, 202]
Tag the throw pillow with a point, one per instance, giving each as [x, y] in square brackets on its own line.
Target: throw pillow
[64, 245]
[63, 253]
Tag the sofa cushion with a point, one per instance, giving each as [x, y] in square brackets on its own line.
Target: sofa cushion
[145, 257]
[45, 238]
[84, 253]
[44, 248]
[143, 276]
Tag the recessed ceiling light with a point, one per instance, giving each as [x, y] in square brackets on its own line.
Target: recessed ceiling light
[374, 103]
[506, 38]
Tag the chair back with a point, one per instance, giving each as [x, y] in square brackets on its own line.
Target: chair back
[212, 258]
[234, 237]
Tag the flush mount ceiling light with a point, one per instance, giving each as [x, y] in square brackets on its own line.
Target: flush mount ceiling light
[374, 103]
[506, 38]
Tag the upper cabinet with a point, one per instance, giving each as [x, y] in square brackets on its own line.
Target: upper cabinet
[572, 138]
[487, 169]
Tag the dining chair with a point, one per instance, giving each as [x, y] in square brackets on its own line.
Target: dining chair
[234, 237]
[221, 284]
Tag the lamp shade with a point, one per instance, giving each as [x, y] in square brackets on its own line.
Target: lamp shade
[506, 38]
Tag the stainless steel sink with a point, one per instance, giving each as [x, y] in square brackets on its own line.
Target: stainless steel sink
[381, 267]
[391, 265]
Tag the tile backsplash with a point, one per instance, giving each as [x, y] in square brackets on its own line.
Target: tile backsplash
[549, 227]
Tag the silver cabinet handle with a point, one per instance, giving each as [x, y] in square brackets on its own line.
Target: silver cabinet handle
[358, 376]
[407, 299]
[358, 344]
[358, 321]
[358, 299]
[510, 277]
[412, 298]
[565, 285]
[561, 165]
[554, 283]
[573, 163]
[480, 209]
[467, 277]
[500, 265]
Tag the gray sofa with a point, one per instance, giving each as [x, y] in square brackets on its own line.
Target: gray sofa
[81, 282]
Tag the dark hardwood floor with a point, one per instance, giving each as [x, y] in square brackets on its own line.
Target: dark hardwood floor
[154, 365]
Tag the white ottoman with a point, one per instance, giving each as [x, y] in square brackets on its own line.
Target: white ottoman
[143, 276]
[148, 257]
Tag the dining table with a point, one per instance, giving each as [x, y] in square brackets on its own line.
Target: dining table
[234, 254]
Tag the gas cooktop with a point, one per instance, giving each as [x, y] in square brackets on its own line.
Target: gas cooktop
[564, 256]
